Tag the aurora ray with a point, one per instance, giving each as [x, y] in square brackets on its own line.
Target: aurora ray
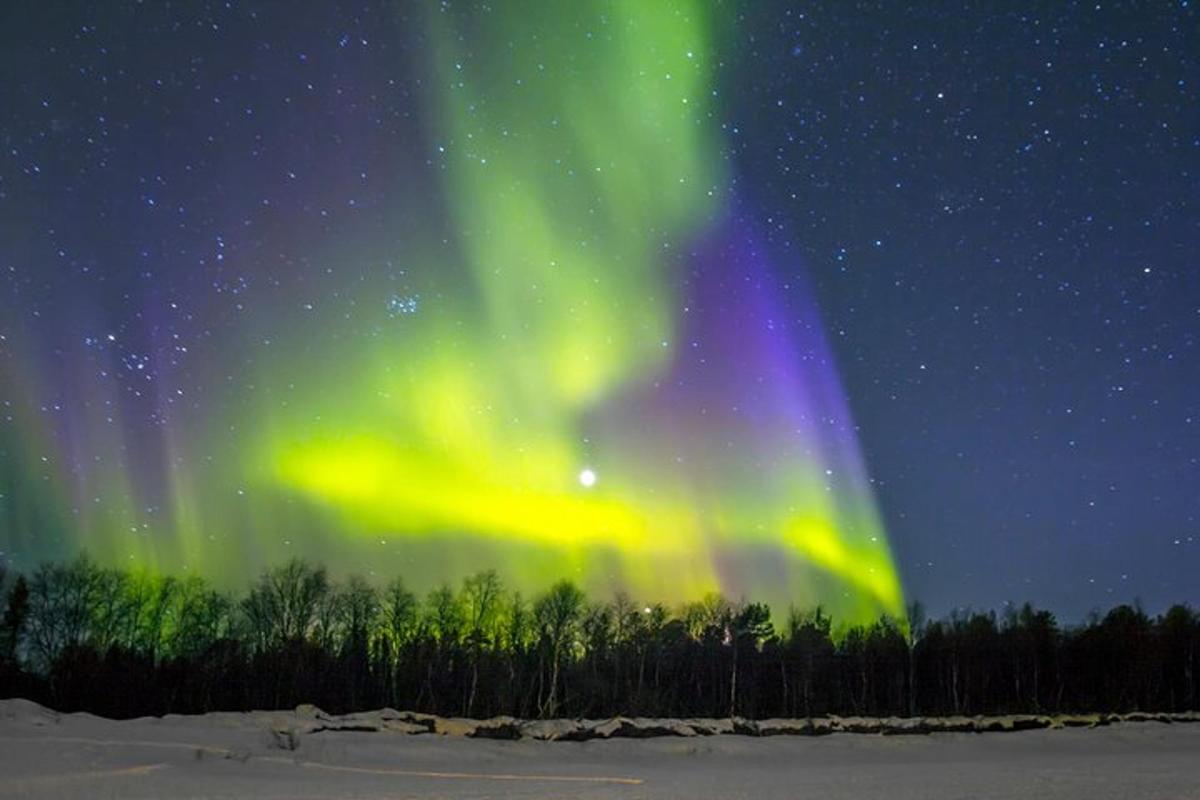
[583, 368]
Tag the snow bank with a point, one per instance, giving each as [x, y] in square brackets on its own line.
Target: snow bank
[287, 727]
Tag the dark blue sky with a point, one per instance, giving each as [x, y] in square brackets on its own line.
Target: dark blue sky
[1000, 208]
[997, 209]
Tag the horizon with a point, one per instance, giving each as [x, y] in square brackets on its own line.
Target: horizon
[779, 615]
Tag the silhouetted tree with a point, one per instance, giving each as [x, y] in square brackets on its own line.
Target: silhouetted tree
[481, 601]
[747, 627]
[556, 616]
[16, 609]
[62, 600]
[1180, 632]
[116, 642]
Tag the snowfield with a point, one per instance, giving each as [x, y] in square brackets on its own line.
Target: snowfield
[306, 754]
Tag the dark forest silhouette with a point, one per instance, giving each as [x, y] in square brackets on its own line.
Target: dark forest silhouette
[79, 636]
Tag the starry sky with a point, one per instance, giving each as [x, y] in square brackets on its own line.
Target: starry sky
[814, 302]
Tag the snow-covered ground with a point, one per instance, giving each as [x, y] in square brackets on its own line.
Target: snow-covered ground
[48, 755]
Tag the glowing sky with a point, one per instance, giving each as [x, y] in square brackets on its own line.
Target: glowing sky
[546, 340]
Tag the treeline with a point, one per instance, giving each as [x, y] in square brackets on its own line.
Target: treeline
[79, 636]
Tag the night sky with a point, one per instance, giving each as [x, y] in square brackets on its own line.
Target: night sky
[765, 298]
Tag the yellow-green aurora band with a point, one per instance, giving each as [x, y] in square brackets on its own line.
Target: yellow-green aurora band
[580, 146]
[576, 301]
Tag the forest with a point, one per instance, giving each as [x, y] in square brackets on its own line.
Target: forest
[80, 636]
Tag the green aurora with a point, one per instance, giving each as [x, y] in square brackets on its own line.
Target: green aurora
[571, 376]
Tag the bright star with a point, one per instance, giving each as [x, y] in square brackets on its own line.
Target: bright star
[587, 477]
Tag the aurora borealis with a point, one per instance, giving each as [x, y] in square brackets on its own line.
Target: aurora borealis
[572, 352]
[776, 300]
[573, 362]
